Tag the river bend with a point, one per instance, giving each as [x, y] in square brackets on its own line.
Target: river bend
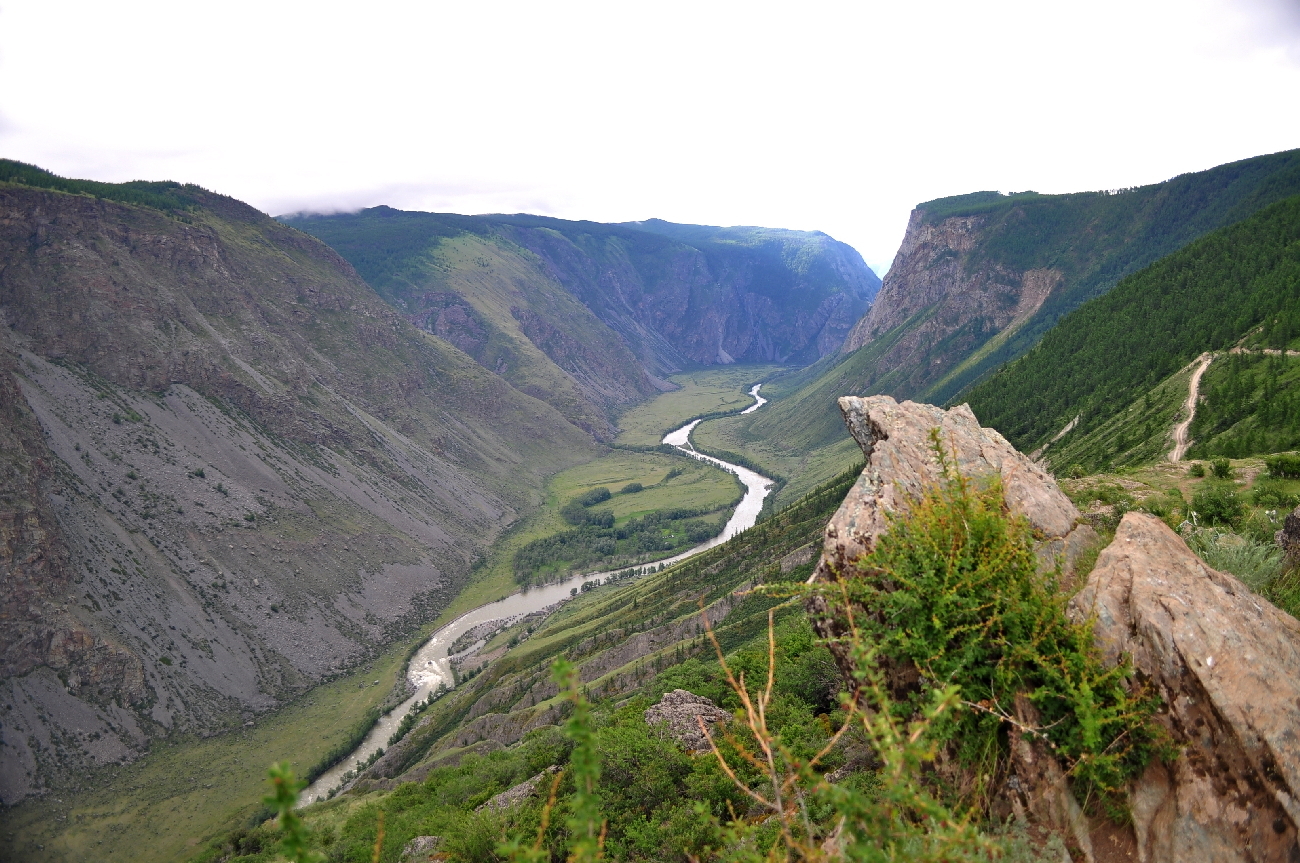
[430, 667]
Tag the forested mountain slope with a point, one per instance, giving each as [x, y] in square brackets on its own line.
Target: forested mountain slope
[611, 308]
[979, 278]
[1238, 285]
[230, 469]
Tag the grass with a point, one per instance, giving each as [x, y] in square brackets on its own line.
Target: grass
[159, 807]
[724, 388]
[699, 486]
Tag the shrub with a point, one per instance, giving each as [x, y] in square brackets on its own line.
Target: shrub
[1196, 469]
[1222, 468]
[1284, 466]
[1255, 563]
[1268, 495]
[594, 496]
[953, 593]
[631, 488]
[1218, 504]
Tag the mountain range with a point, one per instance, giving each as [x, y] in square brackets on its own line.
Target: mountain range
[235, 467]
[245, 457]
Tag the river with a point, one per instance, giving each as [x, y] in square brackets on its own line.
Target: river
[430, 667]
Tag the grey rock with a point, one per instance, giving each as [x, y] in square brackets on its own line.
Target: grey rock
[901, 464]
[518, 793]
[798, 557]
[1227, 664]
[681, 713]
[1289, 536]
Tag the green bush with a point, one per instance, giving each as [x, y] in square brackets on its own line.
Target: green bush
[953, 592]
[631, 488]
[594, 496]
[1222, 468]
[1217, 504]
[1269, 496]
[1196, 469]
[1284, 466]
[1256, 563]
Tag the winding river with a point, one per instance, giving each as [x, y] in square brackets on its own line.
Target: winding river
[430, 667]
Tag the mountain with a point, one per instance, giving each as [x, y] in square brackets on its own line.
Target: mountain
[592, 316]
[1107, 362]
[980, 278]
[231, 470]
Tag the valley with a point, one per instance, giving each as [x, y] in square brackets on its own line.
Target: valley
[160, 795]
[353, 491]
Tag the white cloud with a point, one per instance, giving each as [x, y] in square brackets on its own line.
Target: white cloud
[835, 116]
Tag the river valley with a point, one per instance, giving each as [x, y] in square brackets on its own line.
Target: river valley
[430, 670]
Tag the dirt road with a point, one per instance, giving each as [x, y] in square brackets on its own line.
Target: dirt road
[1193, 393]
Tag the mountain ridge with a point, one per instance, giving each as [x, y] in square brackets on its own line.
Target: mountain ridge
[764, 295]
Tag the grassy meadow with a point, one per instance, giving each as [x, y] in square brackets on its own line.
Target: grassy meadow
[723, 388]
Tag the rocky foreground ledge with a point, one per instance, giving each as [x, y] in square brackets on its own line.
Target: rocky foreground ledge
[1225, 661]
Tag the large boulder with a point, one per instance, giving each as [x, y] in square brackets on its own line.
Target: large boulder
[1227, 665]
[897, 440]
[901, 464]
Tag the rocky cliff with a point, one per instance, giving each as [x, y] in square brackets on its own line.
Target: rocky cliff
[1222, 661]
[231, 470]
[979, 278]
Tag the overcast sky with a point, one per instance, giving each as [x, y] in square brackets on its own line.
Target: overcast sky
[830, 116]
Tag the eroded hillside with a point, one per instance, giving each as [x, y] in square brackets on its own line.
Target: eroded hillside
[231, 471]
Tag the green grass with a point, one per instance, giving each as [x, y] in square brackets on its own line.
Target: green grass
[699, 486]
[724, 388]
[158, 808]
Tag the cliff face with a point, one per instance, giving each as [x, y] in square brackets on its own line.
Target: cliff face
[979, 278]
[940, 304]
[644, 298]
[230, 471]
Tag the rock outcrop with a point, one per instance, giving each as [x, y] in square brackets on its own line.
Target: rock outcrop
[519, 793]
[1288, 538]
[681, 713]
[421, 848]
[1227, 665]
[940, 305]
[901, 463]
[1225, 662]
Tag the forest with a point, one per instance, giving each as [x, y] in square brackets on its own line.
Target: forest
[1240, 284]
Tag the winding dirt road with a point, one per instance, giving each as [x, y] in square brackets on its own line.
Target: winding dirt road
[1181, 443]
